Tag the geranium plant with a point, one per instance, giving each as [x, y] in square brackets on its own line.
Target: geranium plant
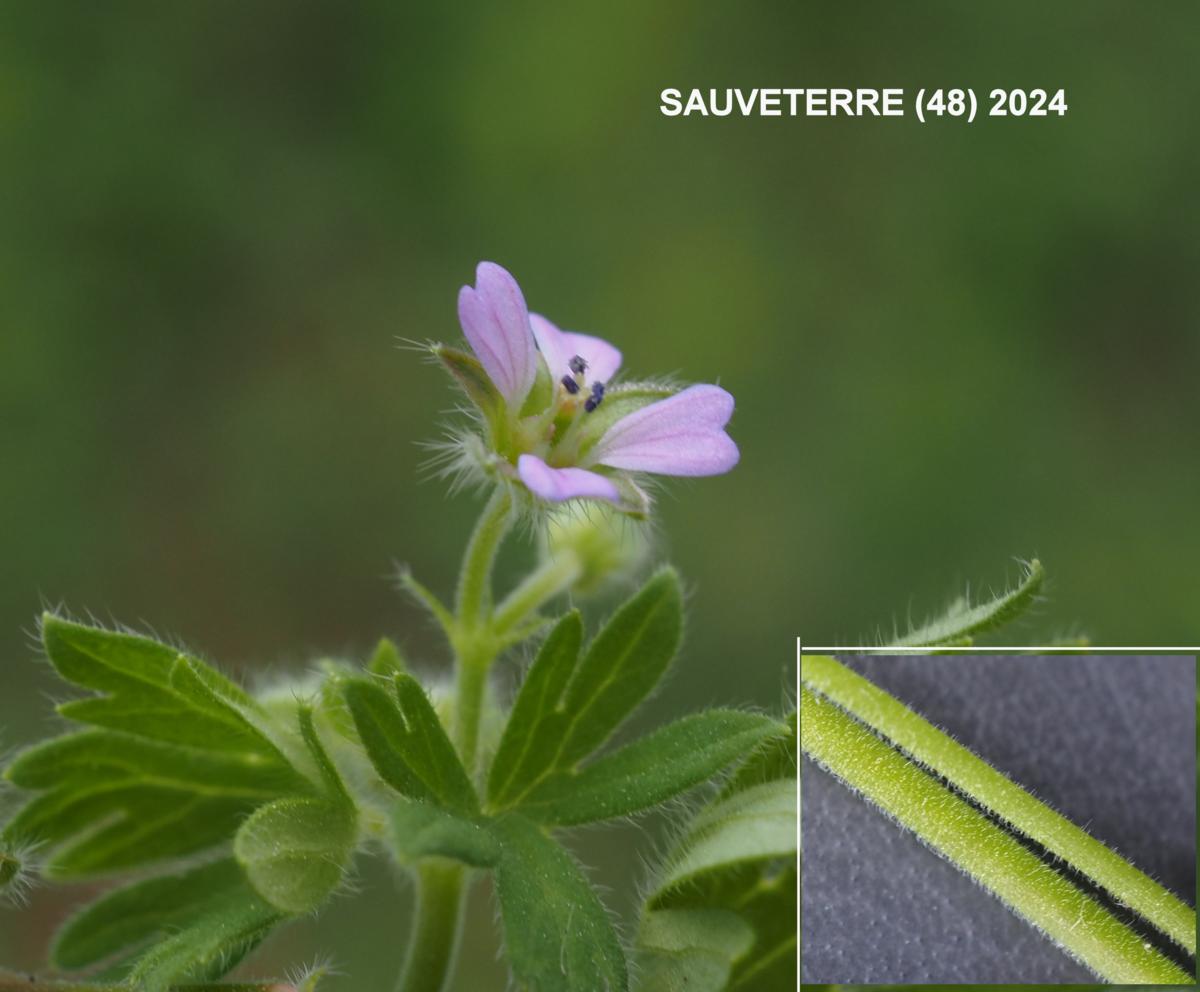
[236, 811]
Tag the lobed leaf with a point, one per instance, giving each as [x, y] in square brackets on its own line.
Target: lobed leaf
[407, 744]
[180, 758]
[536, 723]
[152, 690]
[558, 935]
[85, 757]
[624, 662]
[651, 770]
[568, 707]
[120, 824]
[122, 921]
[209, 946]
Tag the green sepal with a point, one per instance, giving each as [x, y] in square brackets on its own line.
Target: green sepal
[296, 851]
[558, 935]
[468, 372]
[651, 770]
[407, 744]
[422, 830]
[541, 392]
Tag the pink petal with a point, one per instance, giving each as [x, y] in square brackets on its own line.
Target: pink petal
[559, 347]
[496, 322]
[560, 484]
[681, 435]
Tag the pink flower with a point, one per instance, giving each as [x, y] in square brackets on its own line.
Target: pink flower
[496, 322]
[569, 450]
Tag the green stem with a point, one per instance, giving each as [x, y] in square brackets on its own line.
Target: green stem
[474, 661]
[552, 577]
[474, 582]
[440, 884]
[990, 855]
[436, 927]
[991, 789]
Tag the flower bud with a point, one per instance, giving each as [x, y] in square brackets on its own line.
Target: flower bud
[607, 543]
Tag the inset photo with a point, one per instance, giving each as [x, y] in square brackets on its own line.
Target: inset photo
[998, 818]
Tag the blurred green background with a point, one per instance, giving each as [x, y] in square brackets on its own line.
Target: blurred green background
[951, 344]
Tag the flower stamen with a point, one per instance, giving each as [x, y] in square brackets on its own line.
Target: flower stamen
[596, 398]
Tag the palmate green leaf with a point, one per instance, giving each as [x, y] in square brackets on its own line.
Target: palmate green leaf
[558, 935]
[123, 921]
[140, 824]
[407, 744]
[152, 690]
[962, 622]
[568, 707]
[651, 770]
[89, 755]
[690, 950]
[180, 760]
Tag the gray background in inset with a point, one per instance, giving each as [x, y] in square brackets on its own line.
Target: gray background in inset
[1109, 741]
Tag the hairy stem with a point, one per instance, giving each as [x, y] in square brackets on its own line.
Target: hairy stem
[474, 582]
[990, 855]
[440, 885]
[436, 927]
[991, 789]
[553, 577]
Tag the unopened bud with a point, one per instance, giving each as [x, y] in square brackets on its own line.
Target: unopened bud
[607, 544]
